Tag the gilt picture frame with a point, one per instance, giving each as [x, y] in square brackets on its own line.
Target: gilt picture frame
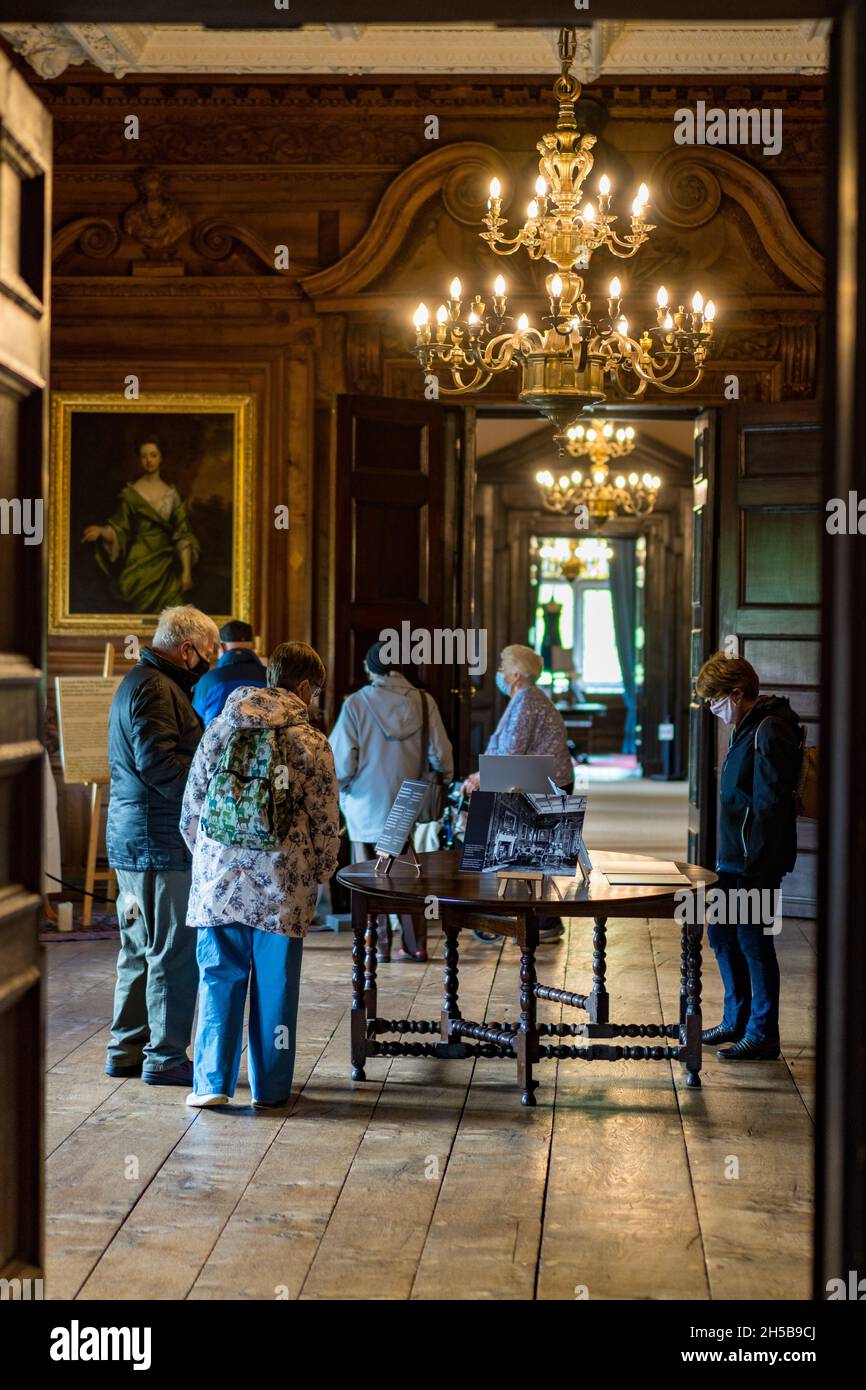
[151, 505]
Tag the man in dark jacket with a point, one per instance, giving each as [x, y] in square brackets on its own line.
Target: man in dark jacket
[153, 732]
[757, 846]
[238, 665]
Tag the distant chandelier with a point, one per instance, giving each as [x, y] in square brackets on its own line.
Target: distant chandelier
[565, 368]
[603, 497]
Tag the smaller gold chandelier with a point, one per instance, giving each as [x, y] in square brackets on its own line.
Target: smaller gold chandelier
[599, 441]
[602, 496]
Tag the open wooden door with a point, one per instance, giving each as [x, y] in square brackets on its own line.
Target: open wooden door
[702, 791]
[771, 519]
[403, 542]
[25, 164]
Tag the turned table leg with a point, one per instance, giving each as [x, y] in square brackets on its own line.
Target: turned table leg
[450, 1006]
[526, 1041]
[358, 1018]
[694, 1022]
[684, 973]
[370, 946]
[598, 1002]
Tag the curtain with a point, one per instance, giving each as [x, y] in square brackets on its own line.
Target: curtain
[622, 593]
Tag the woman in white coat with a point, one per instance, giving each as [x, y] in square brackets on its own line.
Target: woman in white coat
[377, 744]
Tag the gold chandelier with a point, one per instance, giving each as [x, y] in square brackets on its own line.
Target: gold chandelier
[624, 495]
[566, 366]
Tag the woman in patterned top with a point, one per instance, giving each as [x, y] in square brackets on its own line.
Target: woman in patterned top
[252, 906]
[530, 724]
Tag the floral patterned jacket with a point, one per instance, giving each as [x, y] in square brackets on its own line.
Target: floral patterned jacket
[274, 890]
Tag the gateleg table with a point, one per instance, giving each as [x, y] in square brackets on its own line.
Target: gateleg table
[460, 899]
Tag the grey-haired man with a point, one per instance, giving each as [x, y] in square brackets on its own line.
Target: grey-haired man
[153, 732]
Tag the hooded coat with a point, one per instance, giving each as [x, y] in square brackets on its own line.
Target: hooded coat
[757, 815]
[377, 743]
[274, 890]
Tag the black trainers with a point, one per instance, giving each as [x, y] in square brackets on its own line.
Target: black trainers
[122, 1069]
[719, 1034]
[748, 1050]
[181, 1075]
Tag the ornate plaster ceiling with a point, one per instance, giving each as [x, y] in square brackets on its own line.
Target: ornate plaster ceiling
[604, 49]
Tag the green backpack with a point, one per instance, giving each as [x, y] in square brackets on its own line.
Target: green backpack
[247, 802]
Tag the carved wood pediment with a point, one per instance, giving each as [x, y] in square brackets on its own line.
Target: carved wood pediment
[722, 227]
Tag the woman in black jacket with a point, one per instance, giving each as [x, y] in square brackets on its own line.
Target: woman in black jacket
[757, 846]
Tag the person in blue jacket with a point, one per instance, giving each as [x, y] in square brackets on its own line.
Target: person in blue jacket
[757, 846]
[238, 665]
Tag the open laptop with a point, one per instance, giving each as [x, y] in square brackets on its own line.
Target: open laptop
[529, 772]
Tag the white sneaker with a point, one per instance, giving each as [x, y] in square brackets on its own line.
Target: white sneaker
[201, 1101]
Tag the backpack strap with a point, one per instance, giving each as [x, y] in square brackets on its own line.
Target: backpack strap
[425, 736]
[760, 727]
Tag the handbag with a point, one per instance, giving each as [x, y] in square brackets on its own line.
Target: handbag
[433, 805]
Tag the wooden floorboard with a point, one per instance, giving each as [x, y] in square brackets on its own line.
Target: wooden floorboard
[430, 1180]
[750, 1142]
[621, 1219]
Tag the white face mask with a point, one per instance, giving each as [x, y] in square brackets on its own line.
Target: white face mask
[723, 709]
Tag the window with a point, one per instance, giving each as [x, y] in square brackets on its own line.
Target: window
[595, 637]
[577, 578]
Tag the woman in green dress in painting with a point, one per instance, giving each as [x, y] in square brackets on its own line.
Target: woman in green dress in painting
[149, 536]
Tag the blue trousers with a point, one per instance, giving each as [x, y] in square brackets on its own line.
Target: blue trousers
[749, 969]
[228, 959]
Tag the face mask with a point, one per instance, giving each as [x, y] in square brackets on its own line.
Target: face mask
[721, 708]
[502, 683]
[200, 668]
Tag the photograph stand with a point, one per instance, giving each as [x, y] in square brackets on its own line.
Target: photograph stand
[385, 861]
[533, 879]
[91, 873]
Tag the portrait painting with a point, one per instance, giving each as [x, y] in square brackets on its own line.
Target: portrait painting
[150, 507]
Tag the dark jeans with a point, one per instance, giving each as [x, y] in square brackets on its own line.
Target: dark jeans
[746, 956]
[414, 929]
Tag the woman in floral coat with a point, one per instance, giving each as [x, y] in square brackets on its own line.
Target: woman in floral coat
[252, 906]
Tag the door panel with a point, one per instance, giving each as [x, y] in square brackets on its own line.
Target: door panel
[771, 524]
[702, 795]
[25, 169]
[403, 541]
